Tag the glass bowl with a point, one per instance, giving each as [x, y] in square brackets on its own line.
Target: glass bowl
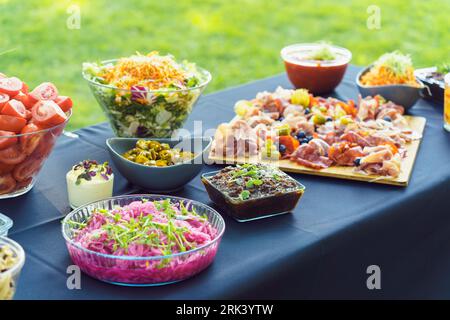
[22, 160]
[9, 278]
[142, 271]
[5, 224]
[318, 76]
[144, 113]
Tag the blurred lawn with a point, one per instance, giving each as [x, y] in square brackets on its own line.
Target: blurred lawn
[237, 41]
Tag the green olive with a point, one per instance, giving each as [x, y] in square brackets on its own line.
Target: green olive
[141, 159]
[153, 153]
[165, 146]
[155, 145]
[142, 144]
[319, 119]
[161, 163]
[165, 155]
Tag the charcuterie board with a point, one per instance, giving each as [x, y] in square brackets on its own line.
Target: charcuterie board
[341, 172]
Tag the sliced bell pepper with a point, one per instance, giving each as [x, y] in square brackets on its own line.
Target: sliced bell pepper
[289, 142]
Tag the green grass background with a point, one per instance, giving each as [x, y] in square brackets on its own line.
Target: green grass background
[238, 41]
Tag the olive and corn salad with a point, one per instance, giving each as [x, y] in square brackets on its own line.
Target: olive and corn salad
[7, 260]
[153, 153]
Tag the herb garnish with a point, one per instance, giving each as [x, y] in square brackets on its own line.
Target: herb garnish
[92, 168]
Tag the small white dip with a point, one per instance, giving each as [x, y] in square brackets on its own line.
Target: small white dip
[89, 181]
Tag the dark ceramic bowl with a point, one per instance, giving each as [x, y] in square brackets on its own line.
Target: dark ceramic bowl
[160, 179]
[402, 94]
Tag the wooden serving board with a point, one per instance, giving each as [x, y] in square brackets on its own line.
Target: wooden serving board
[341, 172]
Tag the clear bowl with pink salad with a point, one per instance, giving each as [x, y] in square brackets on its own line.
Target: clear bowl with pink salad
[143, 240]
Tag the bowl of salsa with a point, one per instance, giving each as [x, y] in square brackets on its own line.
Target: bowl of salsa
[317, 67]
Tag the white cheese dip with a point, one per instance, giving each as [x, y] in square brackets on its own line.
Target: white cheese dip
[89, 181]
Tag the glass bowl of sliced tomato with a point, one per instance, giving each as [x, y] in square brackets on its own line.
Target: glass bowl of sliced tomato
[30, 123]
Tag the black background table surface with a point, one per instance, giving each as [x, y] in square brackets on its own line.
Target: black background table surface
[321, 250]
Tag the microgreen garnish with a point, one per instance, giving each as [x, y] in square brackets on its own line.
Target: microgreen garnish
[244, 195]
[90, 169]
[122, 227]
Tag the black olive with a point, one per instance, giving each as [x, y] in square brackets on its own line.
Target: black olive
[328, 119]
[357, 162]
[307, 111]
[304, 141]
[301, 135]
[281, 118]
[387, 118]
[282, 148]
[309, 138]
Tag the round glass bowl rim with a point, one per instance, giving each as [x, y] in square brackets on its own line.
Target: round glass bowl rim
[137, 258]
[199, 86]
[304, 46]
[63, 124]
[18, 250]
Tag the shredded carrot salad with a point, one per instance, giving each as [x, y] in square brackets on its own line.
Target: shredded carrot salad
[151, 71]
[390, 68]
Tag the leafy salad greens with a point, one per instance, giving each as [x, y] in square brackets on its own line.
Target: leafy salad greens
[146, 95]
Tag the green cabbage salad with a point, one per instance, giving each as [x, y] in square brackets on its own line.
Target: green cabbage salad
[146, 95]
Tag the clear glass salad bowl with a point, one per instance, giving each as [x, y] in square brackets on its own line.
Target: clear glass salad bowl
[136, 270]
[9, 278]
[23, 156]
[142, 113]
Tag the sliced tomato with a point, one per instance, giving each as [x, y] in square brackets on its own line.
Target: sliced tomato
[65, 103]
[48, 114]
[29, 142]
[6, 168]
[10, 123]
[45, 91]
[7, 142]
[10, 86]
[7, 183]
[15, 108]
[4, 98]
[25, 88]
[26, 169]
[12, 155]
[23, 184]
[26, 99]
[44, 148]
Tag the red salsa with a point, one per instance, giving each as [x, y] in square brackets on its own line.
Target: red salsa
[308, 67]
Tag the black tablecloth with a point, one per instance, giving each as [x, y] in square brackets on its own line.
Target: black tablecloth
[322, 250]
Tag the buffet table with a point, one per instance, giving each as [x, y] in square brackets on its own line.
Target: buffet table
[322, 250]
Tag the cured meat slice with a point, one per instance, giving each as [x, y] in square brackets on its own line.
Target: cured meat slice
[235, 139]
[345, 153]
[354, 137]
[380, 160]
[312, 154]
[367, 109]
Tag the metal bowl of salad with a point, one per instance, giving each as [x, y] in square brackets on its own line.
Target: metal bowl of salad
[146, 95]
[143, 240]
